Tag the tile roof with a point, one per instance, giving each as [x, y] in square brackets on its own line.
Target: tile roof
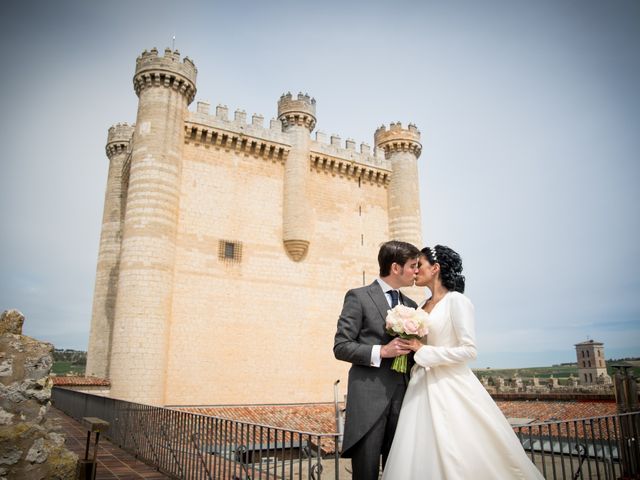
[73, 381]
[315, 417]
[320, 417]
[542, 411]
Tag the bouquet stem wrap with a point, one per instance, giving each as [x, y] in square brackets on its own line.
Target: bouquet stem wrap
[400, 363]
[405, 322]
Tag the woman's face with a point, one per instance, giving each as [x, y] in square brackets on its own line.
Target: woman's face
[426, 271]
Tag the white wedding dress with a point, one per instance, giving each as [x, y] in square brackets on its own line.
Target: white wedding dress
[449, 427]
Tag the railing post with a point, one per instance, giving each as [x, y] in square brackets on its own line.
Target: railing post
[626, 392]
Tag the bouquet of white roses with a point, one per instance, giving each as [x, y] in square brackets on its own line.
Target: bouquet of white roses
[405, 322]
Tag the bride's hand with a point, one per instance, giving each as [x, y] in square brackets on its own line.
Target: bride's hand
[412, 344]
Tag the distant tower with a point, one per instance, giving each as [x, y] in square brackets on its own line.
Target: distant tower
[104, 296]
[298, 117]
[165, 87]
[402, 147]
[591, 363]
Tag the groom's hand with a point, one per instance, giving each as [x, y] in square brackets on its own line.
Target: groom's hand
[394, 348]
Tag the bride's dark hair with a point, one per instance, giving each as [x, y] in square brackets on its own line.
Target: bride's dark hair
[450, 266]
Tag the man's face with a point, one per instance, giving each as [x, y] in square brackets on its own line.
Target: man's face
[405, 274]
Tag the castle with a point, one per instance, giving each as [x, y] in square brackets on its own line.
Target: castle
[227, 246]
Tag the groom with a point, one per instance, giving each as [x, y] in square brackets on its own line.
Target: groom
[375, 392]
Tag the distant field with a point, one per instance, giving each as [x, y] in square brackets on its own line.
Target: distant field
[62, 367]
[560, 371]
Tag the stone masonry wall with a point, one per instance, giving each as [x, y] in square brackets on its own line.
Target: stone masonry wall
[261, 330]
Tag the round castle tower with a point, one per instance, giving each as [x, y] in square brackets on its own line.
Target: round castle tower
[165, 86]
[104, 296]
[402, 146]
[298, 117]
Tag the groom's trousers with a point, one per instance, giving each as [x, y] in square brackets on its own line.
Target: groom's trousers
[365, 459]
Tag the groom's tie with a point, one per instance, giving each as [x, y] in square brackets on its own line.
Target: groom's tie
[394, 297]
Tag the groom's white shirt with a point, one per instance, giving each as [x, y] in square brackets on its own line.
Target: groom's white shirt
[376, 360]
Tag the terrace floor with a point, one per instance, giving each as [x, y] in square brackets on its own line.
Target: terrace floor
[113, 462]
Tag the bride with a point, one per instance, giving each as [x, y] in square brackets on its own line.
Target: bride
[449, 427]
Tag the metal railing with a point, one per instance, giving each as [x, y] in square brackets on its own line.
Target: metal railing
[589, 448]
[188, 445]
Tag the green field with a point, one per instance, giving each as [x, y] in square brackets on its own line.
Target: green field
[62, 367]
[558, 371]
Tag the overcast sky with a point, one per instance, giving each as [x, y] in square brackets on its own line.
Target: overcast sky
[530, 121]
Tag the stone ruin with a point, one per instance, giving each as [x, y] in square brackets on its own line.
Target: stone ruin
[31, 446]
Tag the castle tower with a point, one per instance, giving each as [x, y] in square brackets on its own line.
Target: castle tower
[104, 296]
[298, 117]
[402, 147]
[592, 366]
[165, 87]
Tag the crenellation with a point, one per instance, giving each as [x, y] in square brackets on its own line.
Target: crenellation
[321, 137]
[299, 111]
[398, 139]
[168, 71]
[257, 120]
[336, 140]
[222, 112]
[203, 107]
[240, 117]
[350, 144]
[118, 139]
[365, 149]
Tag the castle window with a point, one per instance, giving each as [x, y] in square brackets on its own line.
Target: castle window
[587, 353]
[582, 353]
[591, 377]
[589, 363]
[585, 378]
[230, 251]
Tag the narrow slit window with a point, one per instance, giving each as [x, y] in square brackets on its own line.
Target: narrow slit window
[230, 251]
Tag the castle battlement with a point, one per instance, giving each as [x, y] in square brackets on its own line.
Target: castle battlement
[253, 138]
[119, 138]
[170, 60]
[217, 129]
[345, 160]
[167, 71]
[398, 139]
[299, 111]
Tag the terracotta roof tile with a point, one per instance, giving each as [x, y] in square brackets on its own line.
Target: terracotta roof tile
[320, 418]
[73, 381]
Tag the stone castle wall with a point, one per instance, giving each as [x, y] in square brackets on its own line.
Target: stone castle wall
[265, 323]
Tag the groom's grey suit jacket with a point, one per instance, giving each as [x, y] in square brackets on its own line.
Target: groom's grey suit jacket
[360, 326]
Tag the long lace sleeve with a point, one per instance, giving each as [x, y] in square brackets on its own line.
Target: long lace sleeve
[463, 318]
